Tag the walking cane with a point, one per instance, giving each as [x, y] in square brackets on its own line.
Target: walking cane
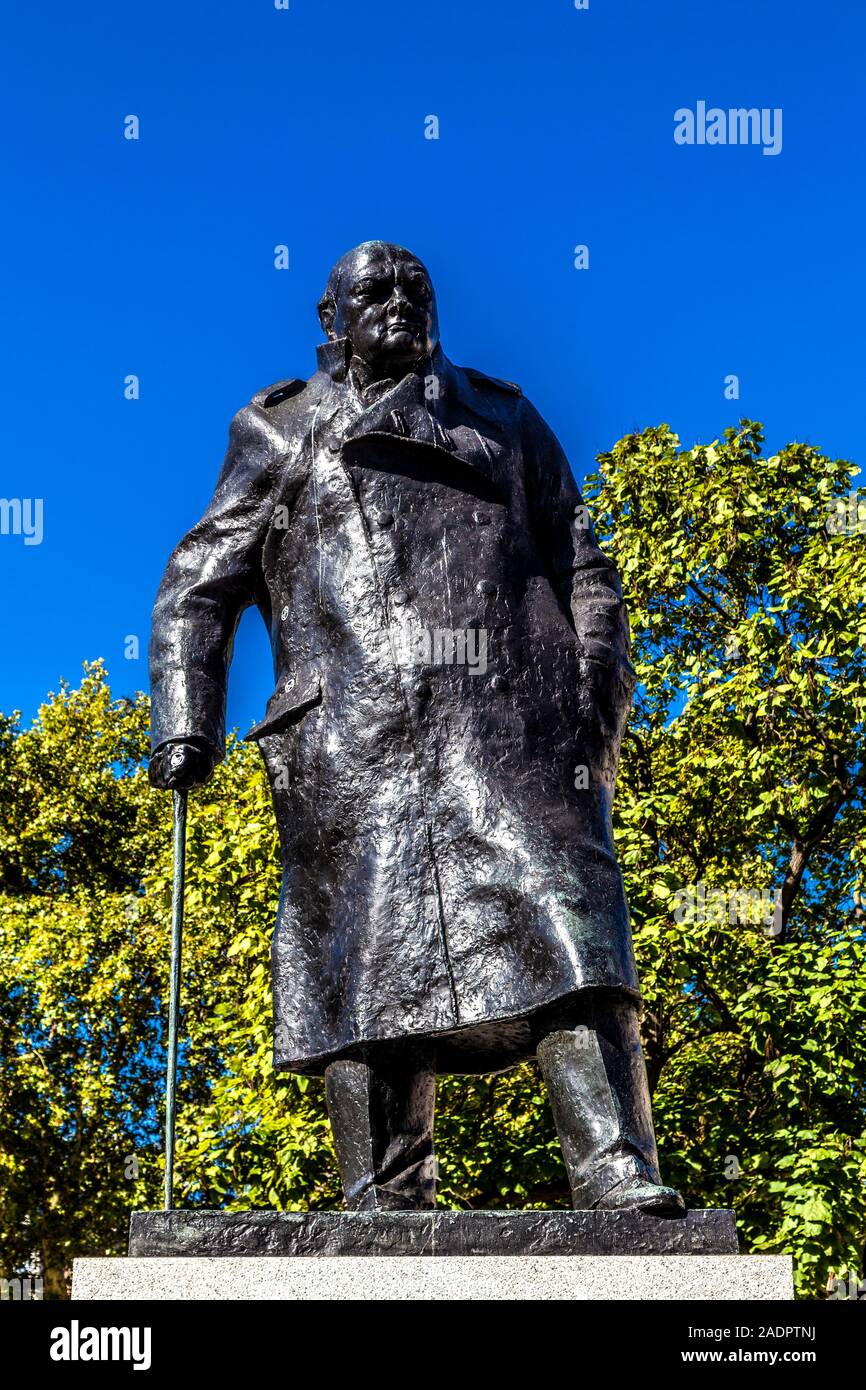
[179, 799]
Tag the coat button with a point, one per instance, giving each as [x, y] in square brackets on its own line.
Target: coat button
[385, 519]
[486, 586]
[499, 683]
[285, 613]
[482, 518]
[422, 690]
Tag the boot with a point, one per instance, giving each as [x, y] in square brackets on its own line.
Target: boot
[596, 1081]
[381, 1111]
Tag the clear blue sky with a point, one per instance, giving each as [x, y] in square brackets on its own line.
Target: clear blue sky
[306, 127]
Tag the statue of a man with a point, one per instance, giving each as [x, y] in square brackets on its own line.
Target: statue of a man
[452, 681]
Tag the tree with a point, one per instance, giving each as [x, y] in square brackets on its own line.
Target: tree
[740, 826]
[85, 875]
[79, 978]
[742, 778]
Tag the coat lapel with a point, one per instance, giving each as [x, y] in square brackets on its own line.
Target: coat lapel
[420, 410]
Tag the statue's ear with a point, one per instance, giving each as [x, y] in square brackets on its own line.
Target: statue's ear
[327, 314]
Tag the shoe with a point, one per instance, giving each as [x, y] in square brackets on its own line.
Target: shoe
[636, 1194]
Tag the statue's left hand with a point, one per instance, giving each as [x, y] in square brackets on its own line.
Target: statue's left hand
[177, 767]
[599, 683]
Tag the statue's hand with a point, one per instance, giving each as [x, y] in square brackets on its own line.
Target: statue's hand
[177, 767]
[599, 684]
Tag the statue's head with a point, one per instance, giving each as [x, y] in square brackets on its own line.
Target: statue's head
[380, 298]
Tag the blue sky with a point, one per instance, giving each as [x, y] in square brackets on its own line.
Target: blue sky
[305, 127]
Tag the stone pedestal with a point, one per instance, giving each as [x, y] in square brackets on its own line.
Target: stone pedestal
[430, 1233]
[381, 1278]
[438, 1255]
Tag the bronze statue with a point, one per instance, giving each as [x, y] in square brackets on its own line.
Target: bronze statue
[452, 681]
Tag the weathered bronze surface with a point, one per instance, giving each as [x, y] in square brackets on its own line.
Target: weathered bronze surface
[215, 1233]
[452, 681]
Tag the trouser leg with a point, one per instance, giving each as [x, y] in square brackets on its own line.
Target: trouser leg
[380, 1105]
[593, 1068]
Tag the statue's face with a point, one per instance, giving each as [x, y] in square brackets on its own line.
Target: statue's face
[386, 307]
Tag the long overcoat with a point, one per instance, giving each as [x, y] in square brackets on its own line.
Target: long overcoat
[452, 679]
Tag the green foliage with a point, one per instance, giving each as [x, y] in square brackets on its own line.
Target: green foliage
[80, 969]
[742, 768]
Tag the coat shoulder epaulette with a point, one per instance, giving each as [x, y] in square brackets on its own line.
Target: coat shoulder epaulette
[481, 377]
[279, 392]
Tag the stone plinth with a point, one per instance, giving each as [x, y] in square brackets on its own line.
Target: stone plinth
[384, 1278]
[435, 1233]
[438, 1255]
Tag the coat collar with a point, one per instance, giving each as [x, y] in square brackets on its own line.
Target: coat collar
[411, 408]
[333, 358]
[434, 405]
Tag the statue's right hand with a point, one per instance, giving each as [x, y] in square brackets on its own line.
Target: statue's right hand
[177, 767]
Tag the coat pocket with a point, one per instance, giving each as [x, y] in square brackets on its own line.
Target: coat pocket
[295, 697]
